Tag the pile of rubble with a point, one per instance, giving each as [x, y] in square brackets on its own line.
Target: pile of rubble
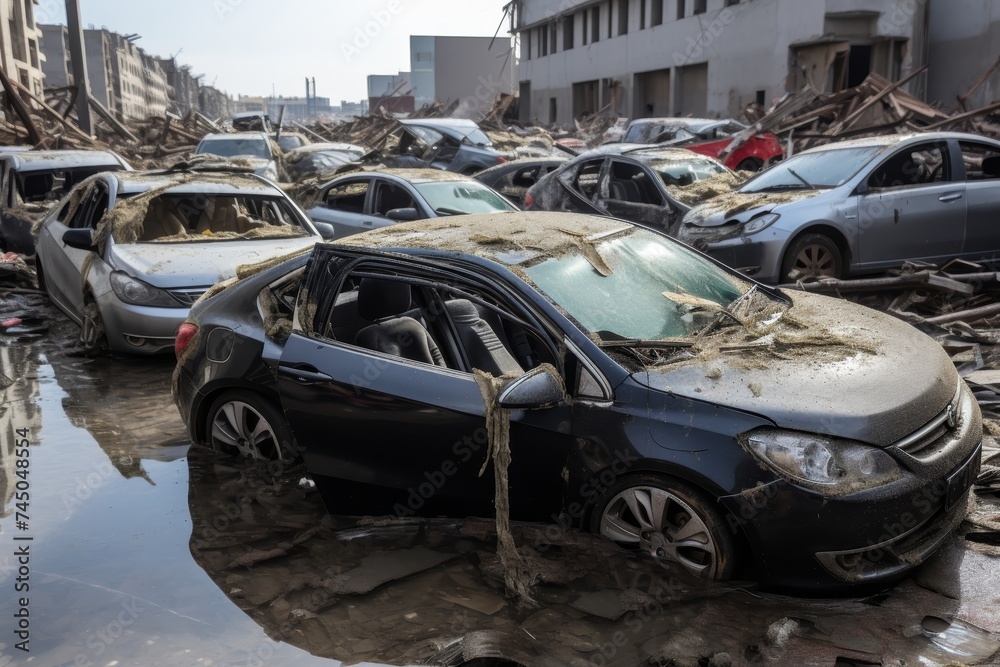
[876, 106]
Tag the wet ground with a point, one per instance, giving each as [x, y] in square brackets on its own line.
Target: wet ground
[145, 550]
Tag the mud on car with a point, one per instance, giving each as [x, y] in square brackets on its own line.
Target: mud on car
[654, 396]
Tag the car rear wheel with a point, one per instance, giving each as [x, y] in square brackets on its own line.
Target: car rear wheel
[244, 423]
[92, 335]
[812, 256]
[669, 520]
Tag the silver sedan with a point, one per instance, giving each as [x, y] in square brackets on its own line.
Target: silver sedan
[859, 206]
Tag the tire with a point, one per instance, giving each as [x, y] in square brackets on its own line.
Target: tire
[812, 256]
[750, 164]
[250, 425]
[707, 549]
[92, 335]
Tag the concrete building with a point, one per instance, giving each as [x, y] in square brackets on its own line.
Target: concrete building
[183, 84]
[20, 41]
[214, 103]
[964, 43]
[58, 67]
[705, 57]
[156, 87]
[464, 69]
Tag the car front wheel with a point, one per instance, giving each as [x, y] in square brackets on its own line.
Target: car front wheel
[244, 423]
[812, 256]
[670, 521]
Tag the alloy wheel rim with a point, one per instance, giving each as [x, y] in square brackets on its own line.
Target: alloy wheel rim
[815, 260]
[663, 525]
[239, 425]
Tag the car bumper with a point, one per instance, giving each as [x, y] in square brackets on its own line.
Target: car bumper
[139, 329]
[805, 541]
[758, 256]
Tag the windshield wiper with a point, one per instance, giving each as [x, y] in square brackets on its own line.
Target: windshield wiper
[796, 175]
[650, 344]
[449, 211]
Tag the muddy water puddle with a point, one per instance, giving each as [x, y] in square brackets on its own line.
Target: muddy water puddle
[145, 550]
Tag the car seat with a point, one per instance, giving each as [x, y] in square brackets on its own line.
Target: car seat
[384, 302]
[161, 221]
[486, 351]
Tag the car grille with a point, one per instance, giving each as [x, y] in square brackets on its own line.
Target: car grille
[932, 438]
[188, 296]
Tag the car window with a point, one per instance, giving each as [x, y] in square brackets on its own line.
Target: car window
[389, 196]
[526, 177]
[584, 177]
[175, 217]
[823, 169]
[348, 197]
[236, 147]
[660, 288]
[630, 182]
[82, 214]
[921, 164]
[451, 326]
[461, 198]
[982, 161]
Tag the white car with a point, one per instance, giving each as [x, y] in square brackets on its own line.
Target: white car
[126, 254]
[255, 147]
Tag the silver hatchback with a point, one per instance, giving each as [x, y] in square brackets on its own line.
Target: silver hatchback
[858, 206]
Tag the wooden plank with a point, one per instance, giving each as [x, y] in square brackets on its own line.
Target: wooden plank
[112, 122]
[70, 127]
[20, 108]
[964, 116]
[847, 122]
[986, 75]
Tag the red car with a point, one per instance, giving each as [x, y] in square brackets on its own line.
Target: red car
[708, 137]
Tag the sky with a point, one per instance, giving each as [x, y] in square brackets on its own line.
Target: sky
[255, 47]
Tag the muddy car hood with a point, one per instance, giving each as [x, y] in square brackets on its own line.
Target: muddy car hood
[200, 264]
[856, 373]
[742, 206]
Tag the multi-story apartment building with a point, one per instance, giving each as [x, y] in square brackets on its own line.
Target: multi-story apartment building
[214, 103]
[183, 86]
[156, 87]
[20, 44]
[706, 57]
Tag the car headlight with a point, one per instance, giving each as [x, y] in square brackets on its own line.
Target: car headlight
[830, 466]
[138, 293]
[760, 223]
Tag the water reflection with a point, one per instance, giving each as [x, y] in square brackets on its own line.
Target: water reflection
[430, 592]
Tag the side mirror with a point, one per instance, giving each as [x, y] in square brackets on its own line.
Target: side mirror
[403, 214]
[82, 239]
[537, 388]
[325, 230]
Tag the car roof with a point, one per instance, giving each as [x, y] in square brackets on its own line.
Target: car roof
[887, 140]
[508, 238]
[46, 160]
[187, 182]
[442, 122]
[683, 122]
[641, 152]
[416, 176]
[237, 135]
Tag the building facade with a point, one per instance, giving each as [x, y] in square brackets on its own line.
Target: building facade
[58, 67]
[183, 86]
[20, 44]
[641, 58]
[215, 104]
[964, 43]
[156, 88]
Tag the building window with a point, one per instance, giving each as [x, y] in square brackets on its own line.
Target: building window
[568, 31]
[730, 3]
[543, 41]
[527, 45]
[611, 23]
[623, 17]
[552, 110]
[681, 10]
[585, 30]
[700, 6]
[29, 14]
[657, 13]
[595, 24]
[642, 14]
[761, 95]
[553, 36]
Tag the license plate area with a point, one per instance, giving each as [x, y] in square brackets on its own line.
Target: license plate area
[963, 478]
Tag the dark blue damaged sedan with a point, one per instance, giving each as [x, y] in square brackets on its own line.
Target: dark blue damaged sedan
[654, 396]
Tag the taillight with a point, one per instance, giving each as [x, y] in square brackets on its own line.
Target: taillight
[501, 159]
[529, 201]
[185, 332]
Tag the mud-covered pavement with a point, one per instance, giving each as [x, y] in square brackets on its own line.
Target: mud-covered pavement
[147, 551]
